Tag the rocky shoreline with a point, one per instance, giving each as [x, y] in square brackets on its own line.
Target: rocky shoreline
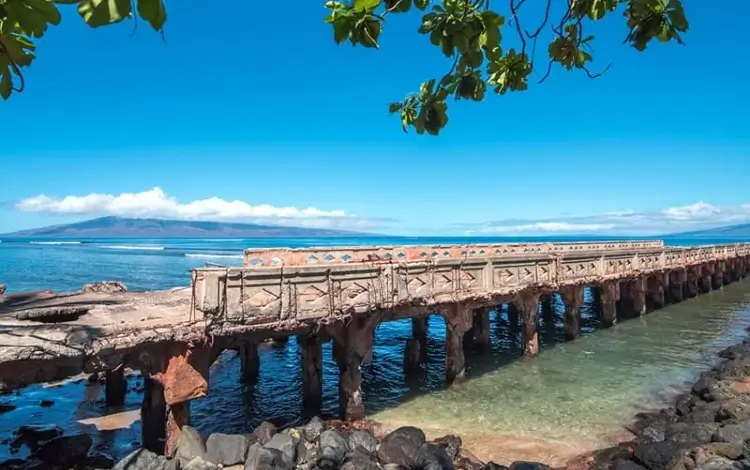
[707, 428]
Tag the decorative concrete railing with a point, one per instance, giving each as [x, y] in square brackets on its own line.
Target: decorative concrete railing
[359, 254]
[265, 294]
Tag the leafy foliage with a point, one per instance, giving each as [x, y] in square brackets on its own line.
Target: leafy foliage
[22, 21]
[467, 32]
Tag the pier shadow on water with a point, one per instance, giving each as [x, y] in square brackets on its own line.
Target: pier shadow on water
[574, 391]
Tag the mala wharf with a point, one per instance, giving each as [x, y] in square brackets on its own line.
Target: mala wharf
[337, 294]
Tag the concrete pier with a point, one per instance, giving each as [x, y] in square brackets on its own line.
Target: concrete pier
[340, 295]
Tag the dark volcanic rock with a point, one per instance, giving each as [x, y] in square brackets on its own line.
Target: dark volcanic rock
[226, 449]
[734, 409]
[734, 433]
[313, 429]
[363, 440]
[695, 433]
[33, 436]
[190, 445]
[6, 407]
[142, 459]
[658, 455]
[433, 457]
[528, 466]
[105, 287]
[333, 449]
[260, 458]
[65, 451]
[264, 432]
[98, 460]
[286, 444]
[493, 466]
[401, 446]
[451, 444]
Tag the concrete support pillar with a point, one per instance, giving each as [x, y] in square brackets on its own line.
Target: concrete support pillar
[692, 286]
[115, 386]
[573, 299]
[249, 362]
[153, 416]
[677, 279]
[352, 347]
[311, 352]
[458, 320]
[609, 296]
[625, 300]
[513, 316]
[717, 276]
[412, 355]
[419, 328]
[547, 302]
[482, 327]
[655, 286]
[638, 295]
[527, 303]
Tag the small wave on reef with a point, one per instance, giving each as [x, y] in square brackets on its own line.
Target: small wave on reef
[134, 247]
[211, 256]
[55, 243]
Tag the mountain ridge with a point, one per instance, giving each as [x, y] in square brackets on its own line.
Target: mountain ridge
[728, 231]
[125, 227]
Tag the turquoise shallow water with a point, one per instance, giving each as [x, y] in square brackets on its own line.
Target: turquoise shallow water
[580, 392]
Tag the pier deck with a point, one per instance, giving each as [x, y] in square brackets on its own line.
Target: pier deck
[340, 294]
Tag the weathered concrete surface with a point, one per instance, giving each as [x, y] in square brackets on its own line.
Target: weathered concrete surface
[111, 326]
[47, 337]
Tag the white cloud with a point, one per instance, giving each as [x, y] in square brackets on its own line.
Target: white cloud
[156, 203]
[698, 216]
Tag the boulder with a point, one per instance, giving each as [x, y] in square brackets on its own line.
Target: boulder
[226, 449]
[33, 436]
[142, 459]
[333, 449]
[98, 460]
[692, 433]
[363, 440]
[261, 458]
[66, 451]
[703, 384]
[734, 433]
[451, 444]
[6, 407]
[735, 409]
[105, 287]
[313, 429]
[286, 444]
[199, 464]
[721, 463]
[264, 432]
[528, 466]
[190, 445]
[658, 455]
[359, 459]
[493, 466]
[401, 447]
[626, 464]
[433, 457]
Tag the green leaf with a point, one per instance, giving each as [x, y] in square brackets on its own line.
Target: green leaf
[341, 29]
[153, 11]
[48, 10]
[365, 5]
[30, 20]
[104, 12]
[395, 107]
[421, 4]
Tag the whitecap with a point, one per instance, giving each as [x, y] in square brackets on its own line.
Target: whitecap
[134, 247]
[54, 243]
[212, 256]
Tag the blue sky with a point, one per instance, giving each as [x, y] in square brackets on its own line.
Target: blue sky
[231, 114]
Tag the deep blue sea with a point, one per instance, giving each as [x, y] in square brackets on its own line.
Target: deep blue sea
[574, 396]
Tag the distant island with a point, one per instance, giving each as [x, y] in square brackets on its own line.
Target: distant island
[730, 231]
[120, 227]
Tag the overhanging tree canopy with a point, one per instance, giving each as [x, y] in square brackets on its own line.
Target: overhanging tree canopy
[467, 32]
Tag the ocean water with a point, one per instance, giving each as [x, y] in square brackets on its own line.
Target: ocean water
[576, 394]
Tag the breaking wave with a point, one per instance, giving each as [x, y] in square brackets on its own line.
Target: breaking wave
[134, 247]
[54, 243]
[212, 256]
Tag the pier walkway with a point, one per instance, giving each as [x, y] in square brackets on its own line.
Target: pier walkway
[340, 295]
